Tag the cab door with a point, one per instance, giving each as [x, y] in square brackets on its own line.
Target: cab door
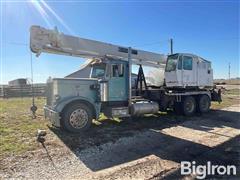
[118, 82]
[171, 76]
[179, 71]
[188, 71]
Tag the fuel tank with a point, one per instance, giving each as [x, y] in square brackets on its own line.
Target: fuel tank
[144, 107]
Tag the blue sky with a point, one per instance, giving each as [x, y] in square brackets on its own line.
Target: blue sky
[209, 29]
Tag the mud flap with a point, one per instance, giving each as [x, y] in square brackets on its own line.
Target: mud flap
[216, 95]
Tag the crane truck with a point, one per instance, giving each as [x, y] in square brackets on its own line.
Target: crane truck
[72, 103]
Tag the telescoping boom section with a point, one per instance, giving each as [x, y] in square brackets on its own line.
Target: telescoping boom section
[51, 41]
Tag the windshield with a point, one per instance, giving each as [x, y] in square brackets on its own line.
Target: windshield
[172, 63]
[98, 71]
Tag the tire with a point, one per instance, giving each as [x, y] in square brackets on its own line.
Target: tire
[189, 106]
[77, 118]
[204, 104]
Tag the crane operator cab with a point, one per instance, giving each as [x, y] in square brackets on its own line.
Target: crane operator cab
[188, 71]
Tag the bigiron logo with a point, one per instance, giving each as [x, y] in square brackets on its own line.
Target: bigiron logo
[201, 171]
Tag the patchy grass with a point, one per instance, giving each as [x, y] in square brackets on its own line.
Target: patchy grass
[233, 92]
[229, 97]
[17, 128]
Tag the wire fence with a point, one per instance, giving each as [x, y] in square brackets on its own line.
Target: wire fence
[22, 91]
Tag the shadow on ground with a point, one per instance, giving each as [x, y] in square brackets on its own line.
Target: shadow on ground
[142, 140]
[227, 153]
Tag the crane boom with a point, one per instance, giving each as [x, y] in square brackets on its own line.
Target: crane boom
[51, 41]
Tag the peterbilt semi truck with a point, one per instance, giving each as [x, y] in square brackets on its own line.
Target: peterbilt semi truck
[72, 103]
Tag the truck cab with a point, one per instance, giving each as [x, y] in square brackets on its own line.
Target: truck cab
[106, 88]
[113, 80]
[188, 70]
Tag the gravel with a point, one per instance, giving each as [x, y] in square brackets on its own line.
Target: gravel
[146, 154]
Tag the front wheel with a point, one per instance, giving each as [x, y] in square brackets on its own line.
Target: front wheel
[189, 106]
[77, 118]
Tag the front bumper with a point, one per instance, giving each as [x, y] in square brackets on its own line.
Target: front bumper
[52, 115]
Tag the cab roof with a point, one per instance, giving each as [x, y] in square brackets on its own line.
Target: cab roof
[193, 55]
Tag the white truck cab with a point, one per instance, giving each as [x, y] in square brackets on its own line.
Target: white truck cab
[188, 70]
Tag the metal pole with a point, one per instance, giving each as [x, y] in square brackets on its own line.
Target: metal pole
[171, 45]
[129, 76]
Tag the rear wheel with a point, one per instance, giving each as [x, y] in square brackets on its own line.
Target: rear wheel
[204, 104]
[77, 118]
[189, 106]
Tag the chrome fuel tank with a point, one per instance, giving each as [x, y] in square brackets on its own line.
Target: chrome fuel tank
[144, 107]
[104, 90]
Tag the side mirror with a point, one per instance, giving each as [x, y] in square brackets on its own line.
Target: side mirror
[120, 69]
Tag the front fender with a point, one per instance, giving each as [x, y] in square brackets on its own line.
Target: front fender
[67, 100]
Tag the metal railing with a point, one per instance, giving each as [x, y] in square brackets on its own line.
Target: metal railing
[22, 91]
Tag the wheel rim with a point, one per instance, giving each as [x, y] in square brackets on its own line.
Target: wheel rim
[189, 106]
[204, 104]
[78, 118]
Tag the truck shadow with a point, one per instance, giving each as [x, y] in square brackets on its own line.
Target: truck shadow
[226, 153]
[115, 143]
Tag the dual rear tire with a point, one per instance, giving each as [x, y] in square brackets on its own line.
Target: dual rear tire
[190, 105]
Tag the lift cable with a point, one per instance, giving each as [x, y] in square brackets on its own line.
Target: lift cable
[33, 107]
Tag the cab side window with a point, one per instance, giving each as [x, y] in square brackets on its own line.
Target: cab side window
[180, 63]
[187, 62]
[117, 70]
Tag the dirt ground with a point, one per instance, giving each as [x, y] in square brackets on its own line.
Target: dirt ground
[146, 148]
